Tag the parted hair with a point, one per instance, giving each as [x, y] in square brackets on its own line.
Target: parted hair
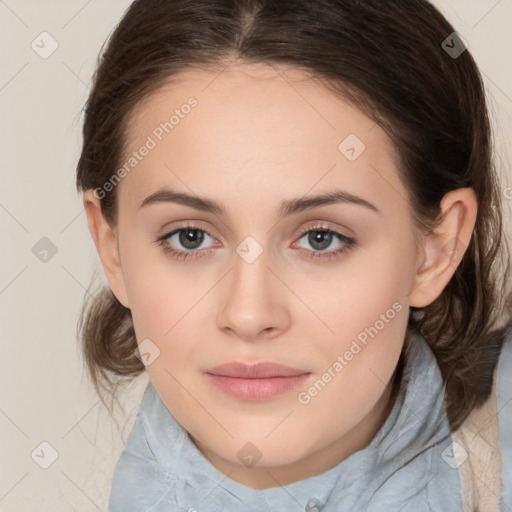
[387, 58]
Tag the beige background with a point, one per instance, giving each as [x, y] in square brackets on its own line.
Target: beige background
[45, 396]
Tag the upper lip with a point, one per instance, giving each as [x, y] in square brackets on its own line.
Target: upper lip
[255, 371]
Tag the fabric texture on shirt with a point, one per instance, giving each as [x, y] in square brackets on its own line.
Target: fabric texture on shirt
[504, 392]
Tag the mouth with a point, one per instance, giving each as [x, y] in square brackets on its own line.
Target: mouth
[255, 382]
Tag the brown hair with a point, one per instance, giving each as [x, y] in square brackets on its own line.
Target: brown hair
[383, 56]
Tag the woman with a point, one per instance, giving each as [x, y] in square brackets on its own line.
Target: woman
[297, 213]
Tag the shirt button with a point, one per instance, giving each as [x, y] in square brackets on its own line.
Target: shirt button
[312, 505]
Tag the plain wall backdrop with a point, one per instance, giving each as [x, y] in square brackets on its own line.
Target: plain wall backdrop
[48, 54]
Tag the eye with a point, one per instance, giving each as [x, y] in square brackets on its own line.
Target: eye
[321, 237]
[190, 237]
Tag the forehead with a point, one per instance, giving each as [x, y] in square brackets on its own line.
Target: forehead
[261, 128]
[257, 100]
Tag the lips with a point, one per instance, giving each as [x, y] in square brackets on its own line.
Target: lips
[255, 382]
[255, 371]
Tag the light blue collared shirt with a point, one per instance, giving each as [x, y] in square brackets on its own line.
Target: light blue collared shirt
[406, 467]
[504, 395]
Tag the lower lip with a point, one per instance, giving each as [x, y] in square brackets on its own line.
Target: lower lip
[256, 389]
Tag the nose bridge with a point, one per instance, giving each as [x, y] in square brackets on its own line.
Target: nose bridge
[252, 304]
[250, 267]
[251, 277]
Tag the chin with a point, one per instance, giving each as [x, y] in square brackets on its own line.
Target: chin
[261, 453]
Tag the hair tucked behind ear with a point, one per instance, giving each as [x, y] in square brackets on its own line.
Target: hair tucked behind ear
[108, 341]
[385, 57]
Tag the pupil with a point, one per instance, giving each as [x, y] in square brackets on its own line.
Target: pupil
[320, 237]
[191, 238]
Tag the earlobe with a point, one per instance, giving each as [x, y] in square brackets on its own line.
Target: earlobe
[106, 244]
[444, 246]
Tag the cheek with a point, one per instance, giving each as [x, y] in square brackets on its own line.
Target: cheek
[357, 366]
[365, 308]
[367, 325]
[368, 311]
[353, 295]
[170, 306]
[160, 291]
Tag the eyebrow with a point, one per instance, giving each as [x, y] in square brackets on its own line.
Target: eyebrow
[288, 207]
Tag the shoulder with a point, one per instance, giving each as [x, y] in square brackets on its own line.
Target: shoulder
[484, 442]
[504, 405]
[138, 482]
[504, 391]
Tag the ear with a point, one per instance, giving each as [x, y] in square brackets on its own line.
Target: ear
[444, 246]
[105, 239]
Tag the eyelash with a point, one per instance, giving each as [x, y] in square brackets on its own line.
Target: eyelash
[348, 243]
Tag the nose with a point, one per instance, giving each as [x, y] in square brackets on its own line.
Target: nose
[253, 303]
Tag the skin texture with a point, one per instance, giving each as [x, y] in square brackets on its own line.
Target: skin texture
[258, 136]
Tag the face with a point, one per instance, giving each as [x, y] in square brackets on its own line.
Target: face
[269, 274]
